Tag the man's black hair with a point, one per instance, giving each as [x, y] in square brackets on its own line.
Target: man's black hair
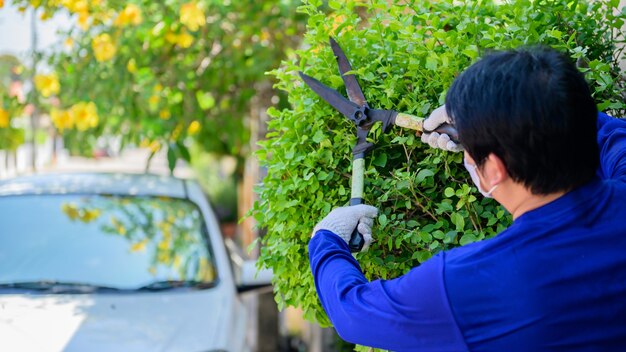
[533, 109]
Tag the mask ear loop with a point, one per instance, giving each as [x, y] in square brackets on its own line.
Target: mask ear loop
[489, 192]
[477, 180]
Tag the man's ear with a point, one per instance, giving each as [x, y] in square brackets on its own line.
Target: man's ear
[494, 171]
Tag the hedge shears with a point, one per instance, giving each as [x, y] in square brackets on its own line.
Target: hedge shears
[358, 111]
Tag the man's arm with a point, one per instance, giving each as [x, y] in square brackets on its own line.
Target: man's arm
[612, 143]
[407, 313]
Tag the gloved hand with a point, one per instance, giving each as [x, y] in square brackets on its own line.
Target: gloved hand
[435, 139]
[342, 222]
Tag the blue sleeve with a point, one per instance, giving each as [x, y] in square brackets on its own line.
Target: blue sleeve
[612, 144]
[407, 313]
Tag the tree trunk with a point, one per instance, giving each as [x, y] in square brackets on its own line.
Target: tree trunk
[35, 114]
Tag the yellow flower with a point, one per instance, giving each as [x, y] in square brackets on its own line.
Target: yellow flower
[71, 210]
[192, 16]
[69, 43]
[1, 4]
[47, 85]
[164, 114]
[131, 14]
[18, 70]
[337, 21]
[119, 227]
[193, 128]
[139, 246]
[153, 100]
[75, 6]
[88, 216]
[206, 271]
[265, 36]
[183, 40]
[164, 244]
[103, 47]
[131, 66]
[62, 119]
[83, 20]
[44, 16]
[84, 115]
[177, 131]
[158, 88]
[166, 229]
[154, 146]
[163, 257]
[4, 117]
[171, 37]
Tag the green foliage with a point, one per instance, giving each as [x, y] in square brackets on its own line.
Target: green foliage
[405, 55]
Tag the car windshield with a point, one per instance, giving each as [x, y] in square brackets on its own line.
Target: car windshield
[113, 242]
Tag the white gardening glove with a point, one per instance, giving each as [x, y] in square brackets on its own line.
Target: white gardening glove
[435, 139]
[342, 222]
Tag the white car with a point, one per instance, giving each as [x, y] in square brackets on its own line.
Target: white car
[117, 262]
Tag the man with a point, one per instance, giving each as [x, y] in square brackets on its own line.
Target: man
[556, 278]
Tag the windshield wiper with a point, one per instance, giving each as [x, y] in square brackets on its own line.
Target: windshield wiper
[59, 287]
[173, 284]
[51, 286]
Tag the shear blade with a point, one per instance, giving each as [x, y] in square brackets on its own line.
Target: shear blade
[352, 85]
[331, 96]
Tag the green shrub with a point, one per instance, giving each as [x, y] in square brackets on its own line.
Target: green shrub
[405, 54]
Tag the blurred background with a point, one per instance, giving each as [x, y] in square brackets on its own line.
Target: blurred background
[171, 87]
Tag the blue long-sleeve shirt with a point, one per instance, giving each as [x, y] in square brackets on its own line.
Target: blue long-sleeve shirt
[554, 280]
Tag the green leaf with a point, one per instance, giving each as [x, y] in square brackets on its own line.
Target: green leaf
[205, 100]
[432, 63]
[424, 256]
[334, 4]
[253, 245]
[183, 152]
[423, 174]
[171, 157]
[450, 237]
[458, 220]
[466, 239]
[382, 220]
[318, 137]
[448, 192]
[380, 160]
[425, 236]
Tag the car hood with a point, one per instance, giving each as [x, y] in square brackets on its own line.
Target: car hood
[151, 321]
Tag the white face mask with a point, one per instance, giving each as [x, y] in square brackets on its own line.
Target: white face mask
[473, 171]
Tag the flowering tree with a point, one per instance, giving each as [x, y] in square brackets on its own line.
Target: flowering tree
[160, 74]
